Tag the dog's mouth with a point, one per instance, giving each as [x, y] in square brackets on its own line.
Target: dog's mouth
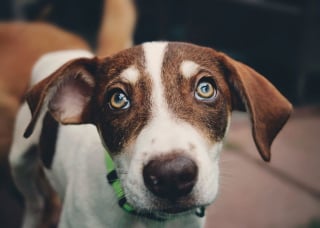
[167, 213]
[177, 210]
[173, 212]
[173, 208]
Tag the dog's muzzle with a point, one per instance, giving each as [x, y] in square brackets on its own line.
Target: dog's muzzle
[174, 178]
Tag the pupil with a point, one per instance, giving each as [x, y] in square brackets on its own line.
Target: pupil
[119, 98]
[205, 88]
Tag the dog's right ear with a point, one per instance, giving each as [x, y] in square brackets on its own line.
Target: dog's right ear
[66, 94]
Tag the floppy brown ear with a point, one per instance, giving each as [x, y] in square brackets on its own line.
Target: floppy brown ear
[268, 108]
[66, 94]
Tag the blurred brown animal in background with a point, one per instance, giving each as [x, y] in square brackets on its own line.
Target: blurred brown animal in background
[21, 44]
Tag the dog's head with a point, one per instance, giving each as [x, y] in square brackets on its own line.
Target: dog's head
[162, 110]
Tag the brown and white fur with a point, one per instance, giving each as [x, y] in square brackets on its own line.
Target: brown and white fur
[165, 120]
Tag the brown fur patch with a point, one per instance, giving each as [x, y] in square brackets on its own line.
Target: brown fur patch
[209, 117]
[119, 127]
[48, 140]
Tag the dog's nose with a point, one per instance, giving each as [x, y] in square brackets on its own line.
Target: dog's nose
[170, 177]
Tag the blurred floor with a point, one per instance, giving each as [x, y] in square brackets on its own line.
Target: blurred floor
[253, 194]
[282, 194]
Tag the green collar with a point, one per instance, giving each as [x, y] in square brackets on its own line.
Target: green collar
[114, 181]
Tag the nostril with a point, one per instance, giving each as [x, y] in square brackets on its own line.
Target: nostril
[170, 177]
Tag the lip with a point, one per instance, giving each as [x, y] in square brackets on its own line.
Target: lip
[173, 209]
[179, 208]
[176, 210]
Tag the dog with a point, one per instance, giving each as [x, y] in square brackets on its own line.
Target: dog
[133, 139]
[160, 110]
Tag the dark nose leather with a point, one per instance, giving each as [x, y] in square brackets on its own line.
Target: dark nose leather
[170, 177]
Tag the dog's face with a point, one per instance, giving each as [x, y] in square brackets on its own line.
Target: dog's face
[164, 115]
[162, 110]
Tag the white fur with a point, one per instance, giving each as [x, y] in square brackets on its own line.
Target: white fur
[154, 53]
[189, 68]
[130, 74]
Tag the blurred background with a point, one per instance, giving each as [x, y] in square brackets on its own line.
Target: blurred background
[278, 38]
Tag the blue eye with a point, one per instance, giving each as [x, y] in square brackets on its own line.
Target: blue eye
[205, 90]
[119, 100]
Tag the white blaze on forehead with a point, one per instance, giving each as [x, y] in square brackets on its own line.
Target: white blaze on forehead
[130, 74]
[164, 125]
[189, 68]
[154, 53]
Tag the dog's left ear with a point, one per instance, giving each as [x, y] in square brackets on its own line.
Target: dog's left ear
[66, 94]
[268, 108]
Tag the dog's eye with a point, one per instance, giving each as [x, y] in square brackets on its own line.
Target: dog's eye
[205, 90]
[119, 100]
